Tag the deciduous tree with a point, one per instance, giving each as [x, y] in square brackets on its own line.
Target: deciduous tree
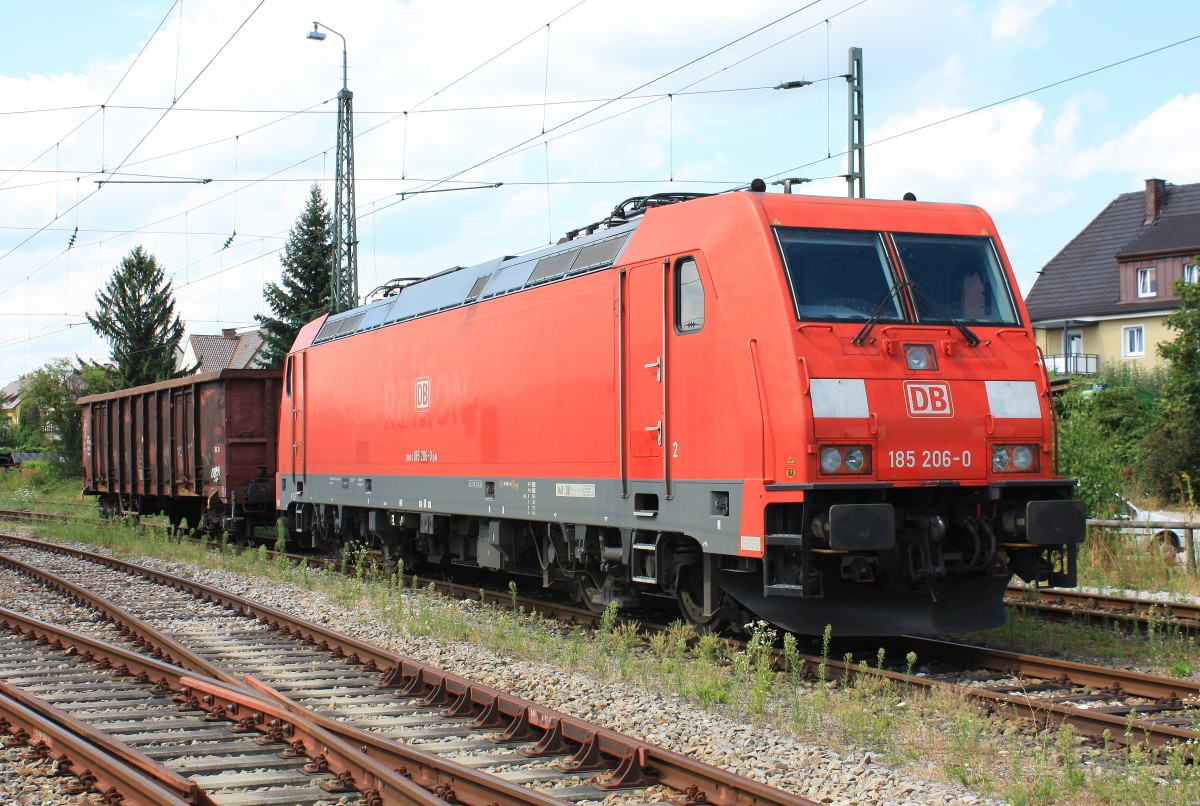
[1171, 448]
[49, 410]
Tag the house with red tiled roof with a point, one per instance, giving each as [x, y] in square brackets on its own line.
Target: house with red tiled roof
[229, 350]
[1105, 296]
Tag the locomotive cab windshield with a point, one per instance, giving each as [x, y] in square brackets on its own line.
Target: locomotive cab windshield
[852, 276]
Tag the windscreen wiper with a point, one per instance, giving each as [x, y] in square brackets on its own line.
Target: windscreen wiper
[967, 333]
[869, 325]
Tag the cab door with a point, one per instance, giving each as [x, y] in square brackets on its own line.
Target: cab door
[294, 388]
[644, 367]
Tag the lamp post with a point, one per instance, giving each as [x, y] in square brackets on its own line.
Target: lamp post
[344, 285]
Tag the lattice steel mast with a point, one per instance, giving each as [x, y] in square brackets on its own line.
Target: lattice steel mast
[344, 285]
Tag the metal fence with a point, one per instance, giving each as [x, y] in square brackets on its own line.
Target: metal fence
[1186, 530]
[1072, 364]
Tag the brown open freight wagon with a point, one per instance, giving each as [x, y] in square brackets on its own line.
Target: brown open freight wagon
[199, 449]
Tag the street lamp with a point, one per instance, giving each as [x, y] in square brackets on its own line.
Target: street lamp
[344, 286]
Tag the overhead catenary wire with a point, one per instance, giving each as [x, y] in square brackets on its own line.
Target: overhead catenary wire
[98, 189]
[375, 208]
[898, 134]
[533, 140]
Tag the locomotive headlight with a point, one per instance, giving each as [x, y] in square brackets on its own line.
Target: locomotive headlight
[1000, 458]
[854, 460]
[831, 459]
[1022, 457]
[845, 459]
[920, 357]
[1014, 458]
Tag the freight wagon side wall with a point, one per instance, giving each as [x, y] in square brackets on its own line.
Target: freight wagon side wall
[196, 437]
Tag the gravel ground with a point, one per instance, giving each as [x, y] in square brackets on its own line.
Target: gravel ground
[818, 772]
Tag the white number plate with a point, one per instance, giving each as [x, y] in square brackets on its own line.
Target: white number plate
[924, 458]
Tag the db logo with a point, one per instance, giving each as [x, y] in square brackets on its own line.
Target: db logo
[928, 399]
[422, 394]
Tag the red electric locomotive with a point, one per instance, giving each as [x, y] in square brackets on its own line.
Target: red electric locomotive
[807, 410]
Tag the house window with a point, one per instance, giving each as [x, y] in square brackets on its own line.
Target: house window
[1133, 344]
[1191, 272]
[1147, 282]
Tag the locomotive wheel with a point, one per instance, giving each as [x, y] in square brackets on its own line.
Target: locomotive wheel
[691, 606]
[585, 589]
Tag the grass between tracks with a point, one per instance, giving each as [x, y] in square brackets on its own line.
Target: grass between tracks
[940, 734]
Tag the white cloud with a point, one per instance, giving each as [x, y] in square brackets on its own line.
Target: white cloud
[1163, 144]
[1017, 19]
[990, 158]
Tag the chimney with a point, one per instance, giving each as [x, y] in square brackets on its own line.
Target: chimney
[1156, 197]
[231, 333]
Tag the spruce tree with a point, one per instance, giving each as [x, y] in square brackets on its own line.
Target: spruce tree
[136, 316]
[304, 285]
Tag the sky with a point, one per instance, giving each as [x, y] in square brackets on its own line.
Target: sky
[184, 126]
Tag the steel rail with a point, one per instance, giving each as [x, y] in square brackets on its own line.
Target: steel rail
[161, 647]
[428, 770]
[1094, 724]
[99, 763]
[247, 708]
[1137, 684]
[1061, 602]
[520, 720]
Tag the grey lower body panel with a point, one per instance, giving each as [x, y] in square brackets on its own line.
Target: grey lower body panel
[709, 511]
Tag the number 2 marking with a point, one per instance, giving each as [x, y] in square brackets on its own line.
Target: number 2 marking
[674, 450]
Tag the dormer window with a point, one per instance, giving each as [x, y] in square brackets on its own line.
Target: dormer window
[1147, 282]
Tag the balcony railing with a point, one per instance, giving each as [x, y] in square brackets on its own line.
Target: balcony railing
[1073, 364]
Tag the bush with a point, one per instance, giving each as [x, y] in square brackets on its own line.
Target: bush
[1170, 448]
[1099, 438]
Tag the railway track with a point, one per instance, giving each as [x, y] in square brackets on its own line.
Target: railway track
[140, 731]
[1103, 704]
[1049, 602]
[485, 745]
[1139, 613]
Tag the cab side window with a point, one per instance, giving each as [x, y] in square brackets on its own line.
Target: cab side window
[287, 374]
[689, 297]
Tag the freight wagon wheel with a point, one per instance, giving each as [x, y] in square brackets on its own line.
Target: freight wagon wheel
[688, 593]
